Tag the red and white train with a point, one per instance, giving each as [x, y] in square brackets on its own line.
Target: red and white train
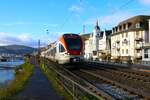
[68, 49]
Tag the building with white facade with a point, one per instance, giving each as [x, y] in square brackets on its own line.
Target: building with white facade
[129, 37]
[146, 48]
[97, 43]
[105, 45]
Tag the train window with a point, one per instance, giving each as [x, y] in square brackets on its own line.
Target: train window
[61, 48]
[94, 53]
[55, 50]
[73, 43]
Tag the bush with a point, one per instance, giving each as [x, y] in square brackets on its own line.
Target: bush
[129, 61]
[118, 59]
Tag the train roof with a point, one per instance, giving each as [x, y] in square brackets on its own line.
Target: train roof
[70, 34]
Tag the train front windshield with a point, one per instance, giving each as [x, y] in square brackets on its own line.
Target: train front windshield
[73, 43]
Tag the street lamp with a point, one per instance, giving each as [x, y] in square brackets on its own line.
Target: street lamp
[47, 32]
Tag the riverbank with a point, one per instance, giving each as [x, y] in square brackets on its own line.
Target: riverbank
[21, 76]
[38, 88]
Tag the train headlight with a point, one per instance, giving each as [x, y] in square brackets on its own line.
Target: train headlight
[81, 53]
[67, 53]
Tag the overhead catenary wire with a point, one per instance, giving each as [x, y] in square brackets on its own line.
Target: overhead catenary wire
[122, 6]
[127, 3]
[68, 17]
[80, 1]
[115, 11]
[66, 20]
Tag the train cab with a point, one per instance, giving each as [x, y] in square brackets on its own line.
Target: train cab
[69, 49]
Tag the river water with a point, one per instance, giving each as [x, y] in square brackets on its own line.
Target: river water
[7, 75]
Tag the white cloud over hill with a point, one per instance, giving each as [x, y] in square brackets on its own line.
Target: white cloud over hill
[22, 39]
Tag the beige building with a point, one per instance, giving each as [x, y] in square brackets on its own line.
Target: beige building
[129, 37]
[146, 48]
[87, 46]
[105, 45]
[97, 43]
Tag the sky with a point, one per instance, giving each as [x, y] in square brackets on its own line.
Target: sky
[25, 22]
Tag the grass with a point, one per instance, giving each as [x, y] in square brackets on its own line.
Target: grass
[21, 76]
[51, 75]
[52, 78]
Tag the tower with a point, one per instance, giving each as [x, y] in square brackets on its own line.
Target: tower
[96, 33]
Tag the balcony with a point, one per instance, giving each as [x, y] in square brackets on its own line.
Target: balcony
[118, 47]
[138, 46]
[138, 55]
[146, 45]
[118, 41]
[138, 38]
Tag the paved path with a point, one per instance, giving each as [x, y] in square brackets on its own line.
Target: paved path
[38, 88]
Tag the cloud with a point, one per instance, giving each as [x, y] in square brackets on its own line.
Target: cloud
[110, 20]
[23, 39]
[28, 40]
[145, 2]
[77, 8]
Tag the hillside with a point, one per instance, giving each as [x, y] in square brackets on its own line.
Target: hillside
[17, 49]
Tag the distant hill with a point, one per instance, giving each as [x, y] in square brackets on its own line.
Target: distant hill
[17, 49]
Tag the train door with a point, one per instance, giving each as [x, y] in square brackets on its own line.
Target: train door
[61, 52]
[57, 52]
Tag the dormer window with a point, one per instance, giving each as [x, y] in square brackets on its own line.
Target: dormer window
[124, 26]
[129, 24]
[113, 30]
[141, 24]
[137, 25]
[120, 28]
[116, 29]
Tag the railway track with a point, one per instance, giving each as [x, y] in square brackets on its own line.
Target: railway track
[133, 78]
[129, 70]
[115, 89]
[132, 74]
[98, 93]
[98, 82]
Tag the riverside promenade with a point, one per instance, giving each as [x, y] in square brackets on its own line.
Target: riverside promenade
[38, 87]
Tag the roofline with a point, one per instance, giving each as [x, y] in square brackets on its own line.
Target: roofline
[133, 18]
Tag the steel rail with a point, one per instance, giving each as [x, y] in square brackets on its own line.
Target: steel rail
[145, 79]
[131, 90]
[89, 88]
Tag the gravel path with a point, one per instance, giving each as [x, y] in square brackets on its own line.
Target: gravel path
[38, 88]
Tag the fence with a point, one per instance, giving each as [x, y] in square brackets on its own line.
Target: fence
[76, 90]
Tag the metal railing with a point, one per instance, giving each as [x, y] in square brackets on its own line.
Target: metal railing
[76, 90]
